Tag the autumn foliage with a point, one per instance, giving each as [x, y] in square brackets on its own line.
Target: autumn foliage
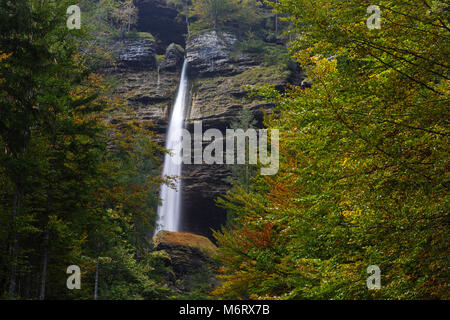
[364, 162]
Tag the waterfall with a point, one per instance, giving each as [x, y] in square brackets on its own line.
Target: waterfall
[170, 208]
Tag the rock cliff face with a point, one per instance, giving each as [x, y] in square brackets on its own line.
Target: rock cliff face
[210, 54]
[173, 59]
[136, 54]
[218, 96]
[149, 90]
[217, 72]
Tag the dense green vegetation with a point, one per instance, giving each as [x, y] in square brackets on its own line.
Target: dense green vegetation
[364, 155]
[364, 162]
[109, 18]
[74, 189]
[242, 17]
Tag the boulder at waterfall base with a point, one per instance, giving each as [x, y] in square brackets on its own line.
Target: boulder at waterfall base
[191, 260]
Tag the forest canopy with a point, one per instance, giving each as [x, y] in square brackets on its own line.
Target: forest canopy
[74, 188]
[364, 154]
[364, 162]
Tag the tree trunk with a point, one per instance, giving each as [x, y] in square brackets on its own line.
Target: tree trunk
[96, 282]
[36, 284]
[96, 273]
[247, 180]
[14, 246]
[47, 217]
[44, 264]
[12, 278]
[46, 237]
[27, 292]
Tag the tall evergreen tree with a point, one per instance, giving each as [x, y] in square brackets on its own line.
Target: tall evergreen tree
[75, 189]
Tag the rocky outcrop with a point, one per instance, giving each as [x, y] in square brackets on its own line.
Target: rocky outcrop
[210, 53]
[218, 74]
[136, 54]
[182, 241]
[191, 258]
[173, 60]
[149, 91]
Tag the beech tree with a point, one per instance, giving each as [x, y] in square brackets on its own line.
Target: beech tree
[125, 15]
[364, 159]
[217, 13]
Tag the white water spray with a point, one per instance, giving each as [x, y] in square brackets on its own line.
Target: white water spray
[170, 209]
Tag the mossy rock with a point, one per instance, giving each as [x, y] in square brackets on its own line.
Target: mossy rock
[185, 239]
[179, 48]
[141, 36]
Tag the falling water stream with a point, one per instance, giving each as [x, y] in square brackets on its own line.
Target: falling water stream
[170, 208]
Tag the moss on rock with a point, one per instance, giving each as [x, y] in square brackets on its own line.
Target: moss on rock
[141, 36]
[185, 239]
